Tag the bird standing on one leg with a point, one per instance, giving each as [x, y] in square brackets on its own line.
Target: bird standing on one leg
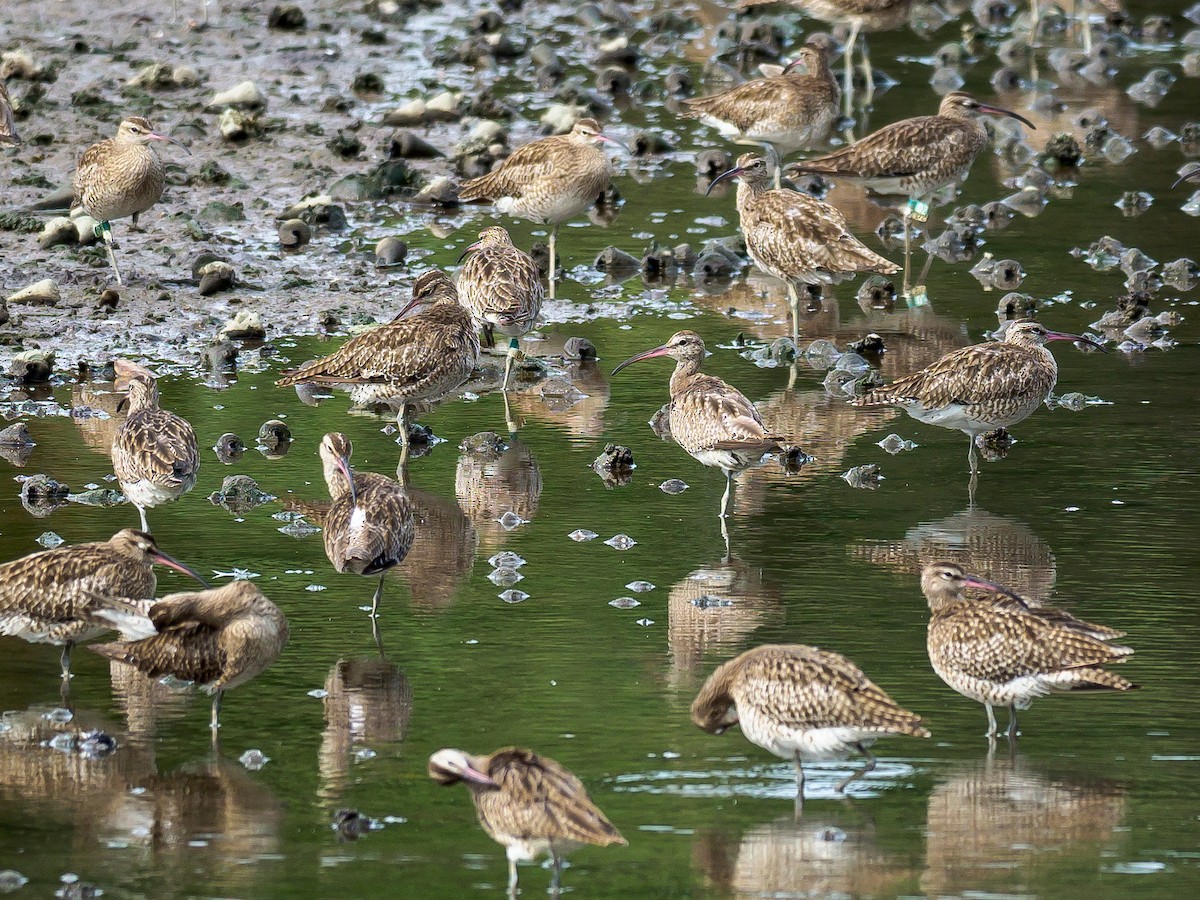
[980, 388]
[916, 158]
[713, 422]
[502, 288]
[422, 357]
[551, 180]
[796, 237]
[1000, 650]
[218, 638]
[529, 803]
[369, 527]
[121, 177]
[794, 110]
[802, 704]
[154, 452]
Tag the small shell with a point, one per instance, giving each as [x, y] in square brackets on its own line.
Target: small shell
[243, 96]
[59, 230]
[391, 251]
[40, 293]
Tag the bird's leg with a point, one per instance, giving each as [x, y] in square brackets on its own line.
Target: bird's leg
[512, 878]
[919, 287]
[214, 722]
[104, 232]
[847, 58]
[512, 423]
[973, 463]
[725, 497]
[513, 348]
[725, 535]
[142, 514]
[378, 596]
[556, 874]
[553, 259]
[489, 335]
[776, 163]
[799, 784]
[905, 216]
[1012, 722]
[991, 732]
[794, 307]
[66, 662]
[868, 73]
[402, 424]
[854, 776]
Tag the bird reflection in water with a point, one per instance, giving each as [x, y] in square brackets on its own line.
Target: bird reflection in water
[999, 548]
[443, 550]
[715, 609]
[497, 482]
[825, 856]
[368, 703]
[992, 819]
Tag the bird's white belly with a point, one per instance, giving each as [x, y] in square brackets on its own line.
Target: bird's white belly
[147, 494]
[810, 743]
[552, 207]
[522, 849]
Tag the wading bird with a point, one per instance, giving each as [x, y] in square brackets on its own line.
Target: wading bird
[1000, 650]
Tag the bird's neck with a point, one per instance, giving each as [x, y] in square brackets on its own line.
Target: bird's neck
[685, 371]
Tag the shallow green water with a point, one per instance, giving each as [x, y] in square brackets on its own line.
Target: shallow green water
[1094, 510]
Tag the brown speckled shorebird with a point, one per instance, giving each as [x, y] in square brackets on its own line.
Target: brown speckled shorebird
[795, 236]
[154, 452]
[369, 527]
[864, 16]
[915, 158]
[45, 597]
[8, 126]
[121, 177]
[999, 650]
[713, 422]
[421, 357]
[802, 704]
[792, 111]
[528, 803]
[218, 638]
[502, 288]
[980, 388]
[549, 181]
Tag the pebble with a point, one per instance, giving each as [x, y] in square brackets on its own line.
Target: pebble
[274, 437]
[580, 535]
[863, 477]
[239, 494]
[16, 435]
[229, 448]
[621, 542]
[40, 293]
[254, 760]
[59, 230]
[294, 234]
[246, 325]
[245, 95]
[894, 444]
[512, 595]
[673, 486]
[625, 603]
[350, 824]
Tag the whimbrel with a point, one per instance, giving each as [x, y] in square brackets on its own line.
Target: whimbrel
[369, 527]
[550, 181]
[864, 16]
[792, 111]
[713, 422]
[121, 177]
[796, 237]
[8, 126]
[980, 388]
[999, 650]
[529, 803]
[218, 639]
[915, 158]
[421, 357]
[154, 452]
[802, 704]
[502, 288]
[45, 597]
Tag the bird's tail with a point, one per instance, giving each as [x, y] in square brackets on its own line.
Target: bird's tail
[477, 188]
[127, 616]
[1093, 679]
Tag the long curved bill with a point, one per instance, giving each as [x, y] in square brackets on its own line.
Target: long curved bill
[1074, 338]
[171, 563]
[470, 773]
[343, 465]
[155, 136]
[649, 354]
[1001, 111]
[735, 171]
[471, 249]
[984, 585]
[1194, 174]
[610, 140]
